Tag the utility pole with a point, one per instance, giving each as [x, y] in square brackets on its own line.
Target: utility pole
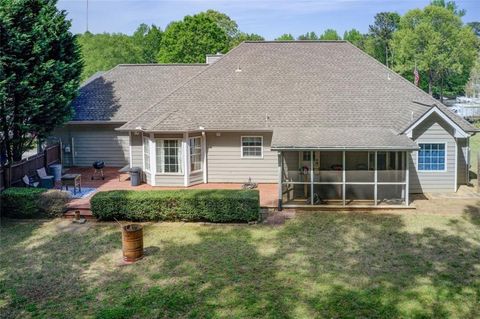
[87, 15]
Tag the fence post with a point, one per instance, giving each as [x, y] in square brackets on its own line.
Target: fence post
[478, 171]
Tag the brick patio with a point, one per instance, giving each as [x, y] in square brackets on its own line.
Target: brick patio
[115, 181]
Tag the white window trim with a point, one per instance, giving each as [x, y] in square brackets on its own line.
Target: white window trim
[432, 171]
[143, 152]
[241, 147]
[201, 154]
[181, 157]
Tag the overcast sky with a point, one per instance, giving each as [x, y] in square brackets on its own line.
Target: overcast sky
[269, 18]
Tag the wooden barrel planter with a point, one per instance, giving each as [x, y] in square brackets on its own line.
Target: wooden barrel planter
[132, 242]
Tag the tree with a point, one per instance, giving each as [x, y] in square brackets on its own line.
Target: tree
[330, 34]
[229, 26]
[241, 37]
[40, 70]
[380, 34]
[355, 37]
[450, 5]
[148, 39]
[436, 41]
[101, 52]
[308, 36]
[472, 88]
[475, 27]
[285, 37]
[189, 40]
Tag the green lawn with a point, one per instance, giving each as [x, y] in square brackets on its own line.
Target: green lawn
[325, 265]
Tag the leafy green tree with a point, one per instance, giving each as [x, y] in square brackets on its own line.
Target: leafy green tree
[450, 5]
[189, 40]
[40, 70]
[285, 37]
[355, 37]
[148, 39]
[308, 36]
[229, 26]
[241, 37]
[380, 34]
[101, 52]
[436, 41]
[475, 27]
[472, 88]
[330, 34]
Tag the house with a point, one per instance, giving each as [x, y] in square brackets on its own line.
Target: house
[314, 117]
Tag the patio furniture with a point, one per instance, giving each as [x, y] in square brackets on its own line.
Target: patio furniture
[98, 166]
[46, 181]
[28, 183]
[125, 169]
[74, 180]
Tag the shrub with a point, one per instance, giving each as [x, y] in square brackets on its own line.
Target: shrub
[19, 202]
[186, 205]
[53, 203]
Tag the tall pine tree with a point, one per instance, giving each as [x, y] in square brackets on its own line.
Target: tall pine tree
[40, 68]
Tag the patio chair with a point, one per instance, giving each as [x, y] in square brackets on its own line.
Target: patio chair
[46, 181]
[28, 183]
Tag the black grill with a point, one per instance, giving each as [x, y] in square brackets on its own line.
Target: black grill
[98, 164]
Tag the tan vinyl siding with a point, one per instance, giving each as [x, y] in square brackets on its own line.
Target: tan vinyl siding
[462, 161]
[169, 180]
[225, 164]
[433, 130]
[95, 142]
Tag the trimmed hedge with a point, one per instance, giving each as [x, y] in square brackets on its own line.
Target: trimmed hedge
[20, 202]
[186, 205]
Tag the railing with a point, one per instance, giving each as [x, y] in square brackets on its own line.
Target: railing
[12, 176]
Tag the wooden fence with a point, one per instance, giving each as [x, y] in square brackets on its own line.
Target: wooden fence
[12, 176]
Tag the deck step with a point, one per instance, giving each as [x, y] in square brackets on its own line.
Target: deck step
[87, 214]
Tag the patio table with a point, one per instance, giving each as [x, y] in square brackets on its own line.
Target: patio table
[74, 180]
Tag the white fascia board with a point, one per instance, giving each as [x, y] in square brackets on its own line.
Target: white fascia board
[459, 132]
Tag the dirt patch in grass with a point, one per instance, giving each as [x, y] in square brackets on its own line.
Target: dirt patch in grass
[324, 265]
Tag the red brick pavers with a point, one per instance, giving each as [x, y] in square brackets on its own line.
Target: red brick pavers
[116, 181]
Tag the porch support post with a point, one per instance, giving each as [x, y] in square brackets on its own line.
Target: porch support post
[130, 148]
[280, 179]
[204, 155]
[186, 173]
[312, 200]
[343, 179]
[375, 196]
[407, 178]
[153, 159]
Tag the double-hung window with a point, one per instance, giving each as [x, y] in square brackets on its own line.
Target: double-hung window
[146, 154]
[252, 146]
[432, 157]
[169, 156]
[195, 144]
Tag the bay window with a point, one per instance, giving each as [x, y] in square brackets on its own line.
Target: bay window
[195, 144]
[169, 156]
[146, 154]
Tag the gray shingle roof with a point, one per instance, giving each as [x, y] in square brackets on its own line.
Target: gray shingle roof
[127, 90]
[263, 85]
[340, 138]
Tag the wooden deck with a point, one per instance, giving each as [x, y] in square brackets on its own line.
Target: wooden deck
[120, 181]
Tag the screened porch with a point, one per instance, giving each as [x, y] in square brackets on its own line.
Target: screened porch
[344, 178]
